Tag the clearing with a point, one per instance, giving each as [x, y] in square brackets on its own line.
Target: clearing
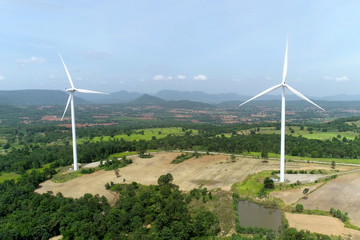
[321, 224]
[210, 171]
[341, 193]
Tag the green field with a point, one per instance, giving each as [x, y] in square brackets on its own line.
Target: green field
[144, 134]
[306, 134]
[289, 157]
[8, 176]
[251, 185]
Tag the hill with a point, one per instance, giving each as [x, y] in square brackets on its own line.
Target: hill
[146, 100]
[198, 96]
[36, 97]
[113, 98]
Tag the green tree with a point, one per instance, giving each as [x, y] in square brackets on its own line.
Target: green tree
[269, 183]
[165, 179]
[299, 208]
[333, 164]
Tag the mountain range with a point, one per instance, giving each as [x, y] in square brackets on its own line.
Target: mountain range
[163, 98]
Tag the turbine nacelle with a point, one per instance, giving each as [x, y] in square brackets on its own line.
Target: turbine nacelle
[70, 89]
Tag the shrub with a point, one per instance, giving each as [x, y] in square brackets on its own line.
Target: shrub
[269, 183]
[299, 208]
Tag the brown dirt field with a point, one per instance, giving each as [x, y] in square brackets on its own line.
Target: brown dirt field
[321, 224]
[291, 196]
[341, 193]
[76, 188]
[211, 171]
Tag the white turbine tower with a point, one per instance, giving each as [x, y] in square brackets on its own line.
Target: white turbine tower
[72, 90]
[283, 85]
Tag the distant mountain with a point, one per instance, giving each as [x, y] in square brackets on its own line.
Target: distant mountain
[36, 97]
[147, 100]
[113, 98]
[341, 97]
[198, 96]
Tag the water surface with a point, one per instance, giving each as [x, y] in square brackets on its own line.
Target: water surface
[255, 215]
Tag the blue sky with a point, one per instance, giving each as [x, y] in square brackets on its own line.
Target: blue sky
[211, 46]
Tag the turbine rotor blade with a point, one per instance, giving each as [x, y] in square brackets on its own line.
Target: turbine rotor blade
[67, 72]
[262, 93]
[285, 62]
[88, 91]
[67, 105]
[302, 96]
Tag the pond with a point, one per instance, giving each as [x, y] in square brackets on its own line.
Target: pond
[255, 215]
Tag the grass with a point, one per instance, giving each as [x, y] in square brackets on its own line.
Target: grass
[251, 185]
[63, 175]
[11, 175]
[221, 205]
[8, 176]
[306, 134]
[289, 157]
[39, 169]
[120, 155]
[148, 134]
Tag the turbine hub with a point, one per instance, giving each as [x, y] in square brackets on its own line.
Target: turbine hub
[70, 90]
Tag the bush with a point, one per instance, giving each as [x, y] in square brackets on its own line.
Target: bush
[269, 183]
[299, 208]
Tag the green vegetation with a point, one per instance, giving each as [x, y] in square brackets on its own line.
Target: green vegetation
[145, 134]
[29, 142]
[64, 176]
[8, 176]
[299, 208]
[309, 133]
[183, 157]
[252, 185]
[338, 214]
[146, 212]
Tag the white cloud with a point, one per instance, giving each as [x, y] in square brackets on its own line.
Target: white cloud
[341, 79]
[200, 77]
[268, 78]
[142, 80]
[2, 78]
[35, 60]
[79, 78]
[237, 80]
[337, 79]
[159, 77]
[181, 77]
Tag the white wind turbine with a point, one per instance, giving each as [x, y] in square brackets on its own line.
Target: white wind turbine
[283, 85]
[72, 90]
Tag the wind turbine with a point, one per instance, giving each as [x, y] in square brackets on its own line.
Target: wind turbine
[72, 91]
[283, 86]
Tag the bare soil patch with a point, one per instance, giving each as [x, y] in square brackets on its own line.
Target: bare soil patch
[292, 195]
[210, 171]
[341, 193]
[321, 224]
